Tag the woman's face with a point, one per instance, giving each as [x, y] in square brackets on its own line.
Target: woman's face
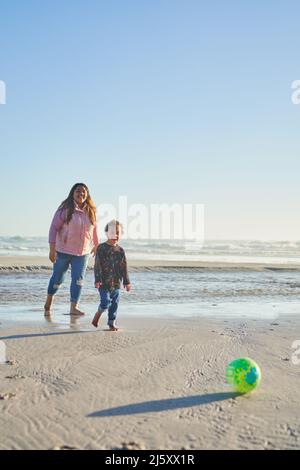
[80, 195]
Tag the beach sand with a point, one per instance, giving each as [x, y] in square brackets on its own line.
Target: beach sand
[155, 384]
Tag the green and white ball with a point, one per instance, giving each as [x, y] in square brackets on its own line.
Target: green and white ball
[244, 374]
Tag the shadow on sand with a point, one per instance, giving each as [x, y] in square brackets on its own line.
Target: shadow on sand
[37, 335]
[157, 406]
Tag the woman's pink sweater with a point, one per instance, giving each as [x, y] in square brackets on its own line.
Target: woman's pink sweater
[78, 237]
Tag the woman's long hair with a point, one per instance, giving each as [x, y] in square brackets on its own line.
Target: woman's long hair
[69, 205]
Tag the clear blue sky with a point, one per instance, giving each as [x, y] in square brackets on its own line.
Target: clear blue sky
[163, 101]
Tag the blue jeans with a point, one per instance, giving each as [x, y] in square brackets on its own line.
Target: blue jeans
[109, 300]
[60, 268]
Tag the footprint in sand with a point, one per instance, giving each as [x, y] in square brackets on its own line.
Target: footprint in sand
[12, 362]
[64, 447]
[15, 376]
[7, 396]
[131, 446]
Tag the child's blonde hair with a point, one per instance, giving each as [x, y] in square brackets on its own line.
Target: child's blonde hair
[113, 223]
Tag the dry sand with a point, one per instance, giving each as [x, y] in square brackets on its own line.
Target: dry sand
[156, 384]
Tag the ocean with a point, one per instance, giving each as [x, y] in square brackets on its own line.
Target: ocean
[175, 290]
[241, 251]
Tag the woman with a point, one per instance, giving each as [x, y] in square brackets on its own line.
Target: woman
[72, 236]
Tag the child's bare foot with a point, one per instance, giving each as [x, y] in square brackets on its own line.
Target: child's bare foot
[96, 319]
[47, 312]
[113, 327]
[48, 317]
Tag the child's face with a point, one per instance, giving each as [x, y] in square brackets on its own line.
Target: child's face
[114, 233]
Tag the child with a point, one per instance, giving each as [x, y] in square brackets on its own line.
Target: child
[110, 270]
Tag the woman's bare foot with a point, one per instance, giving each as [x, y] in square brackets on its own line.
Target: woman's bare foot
[74, 310]
[96, 319]
[48, 305]
[113, 327]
